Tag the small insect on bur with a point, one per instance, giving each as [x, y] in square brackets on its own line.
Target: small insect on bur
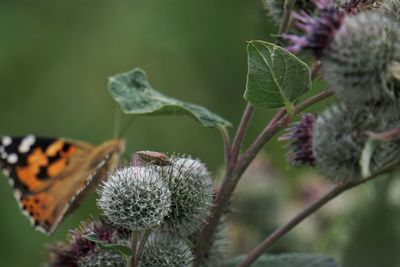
[151, 157]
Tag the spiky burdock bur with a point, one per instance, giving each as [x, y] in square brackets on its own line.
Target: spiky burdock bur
[78, 251]
[135, 198]
[166, 250]
[356, 64]
[357, 48]
[336, 143]
[191, 187]
[219, 245]
[338, 138]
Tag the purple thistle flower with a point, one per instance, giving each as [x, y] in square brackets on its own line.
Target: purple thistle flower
[299, 136]
[319, 30]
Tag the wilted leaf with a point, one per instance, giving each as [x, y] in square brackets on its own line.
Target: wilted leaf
[287, 260]
[135, 95]
[275, 77]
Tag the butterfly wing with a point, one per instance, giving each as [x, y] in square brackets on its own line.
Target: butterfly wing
[49, 175]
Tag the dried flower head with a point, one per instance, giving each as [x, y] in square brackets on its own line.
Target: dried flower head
[135, 198]
[299, 135]
[102, 259]
[166, 250]
[78, 249]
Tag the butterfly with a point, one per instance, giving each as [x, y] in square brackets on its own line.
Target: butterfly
[50, 175]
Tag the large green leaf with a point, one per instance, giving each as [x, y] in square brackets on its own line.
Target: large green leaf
[275, 77]
[287, 260]
[120, 249]
[135, 95]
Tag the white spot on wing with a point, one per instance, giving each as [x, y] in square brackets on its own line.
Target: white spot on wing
[3, 155]
[12, 158]
[26, 144]
[18, 196]
[6, 140]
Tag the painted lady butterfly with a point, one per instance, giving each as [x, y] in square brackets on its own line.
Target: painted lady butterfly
[50, 175]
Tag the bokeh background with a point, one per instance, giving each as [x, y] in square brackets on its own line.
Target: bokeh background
[55, 58]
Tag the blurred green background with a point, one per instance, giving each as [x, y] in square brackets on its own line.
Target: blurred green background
[55, 57]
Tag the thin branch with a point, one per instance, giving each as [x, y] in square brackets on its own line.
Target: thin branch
[312, 100]
[140, 246]
[390, 135]
[305, 213]
[117, 121]
[277, 234]
[315, 68]
[134, 241]
[240, 134]
[232, 175]
[234, 172]
[288, 6]
[227, 143]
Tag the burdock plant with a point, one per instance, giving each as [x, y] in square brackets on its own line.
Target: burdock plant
[161, 211]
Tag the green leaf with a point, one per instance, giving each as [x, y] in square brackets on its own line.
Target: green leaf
[366, 156]
[120, 249]
[134, 94]
[287, 260]
[275, 77]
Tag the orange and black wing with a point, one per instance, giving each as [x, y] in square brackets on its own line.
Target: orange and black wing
[48, 174]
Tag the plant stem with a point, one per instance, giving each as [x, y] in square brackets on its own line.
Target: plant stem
[277, 234]
[288, 6]
[140, 246]
[234, 172]
[117, 121]
[303, 214]
[235, 167]
[240, 134]
[134, 240]
[227, 142]
[315, 68]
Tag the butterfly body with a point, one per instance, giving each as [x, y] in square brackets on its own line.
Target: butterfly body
[50, 175]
